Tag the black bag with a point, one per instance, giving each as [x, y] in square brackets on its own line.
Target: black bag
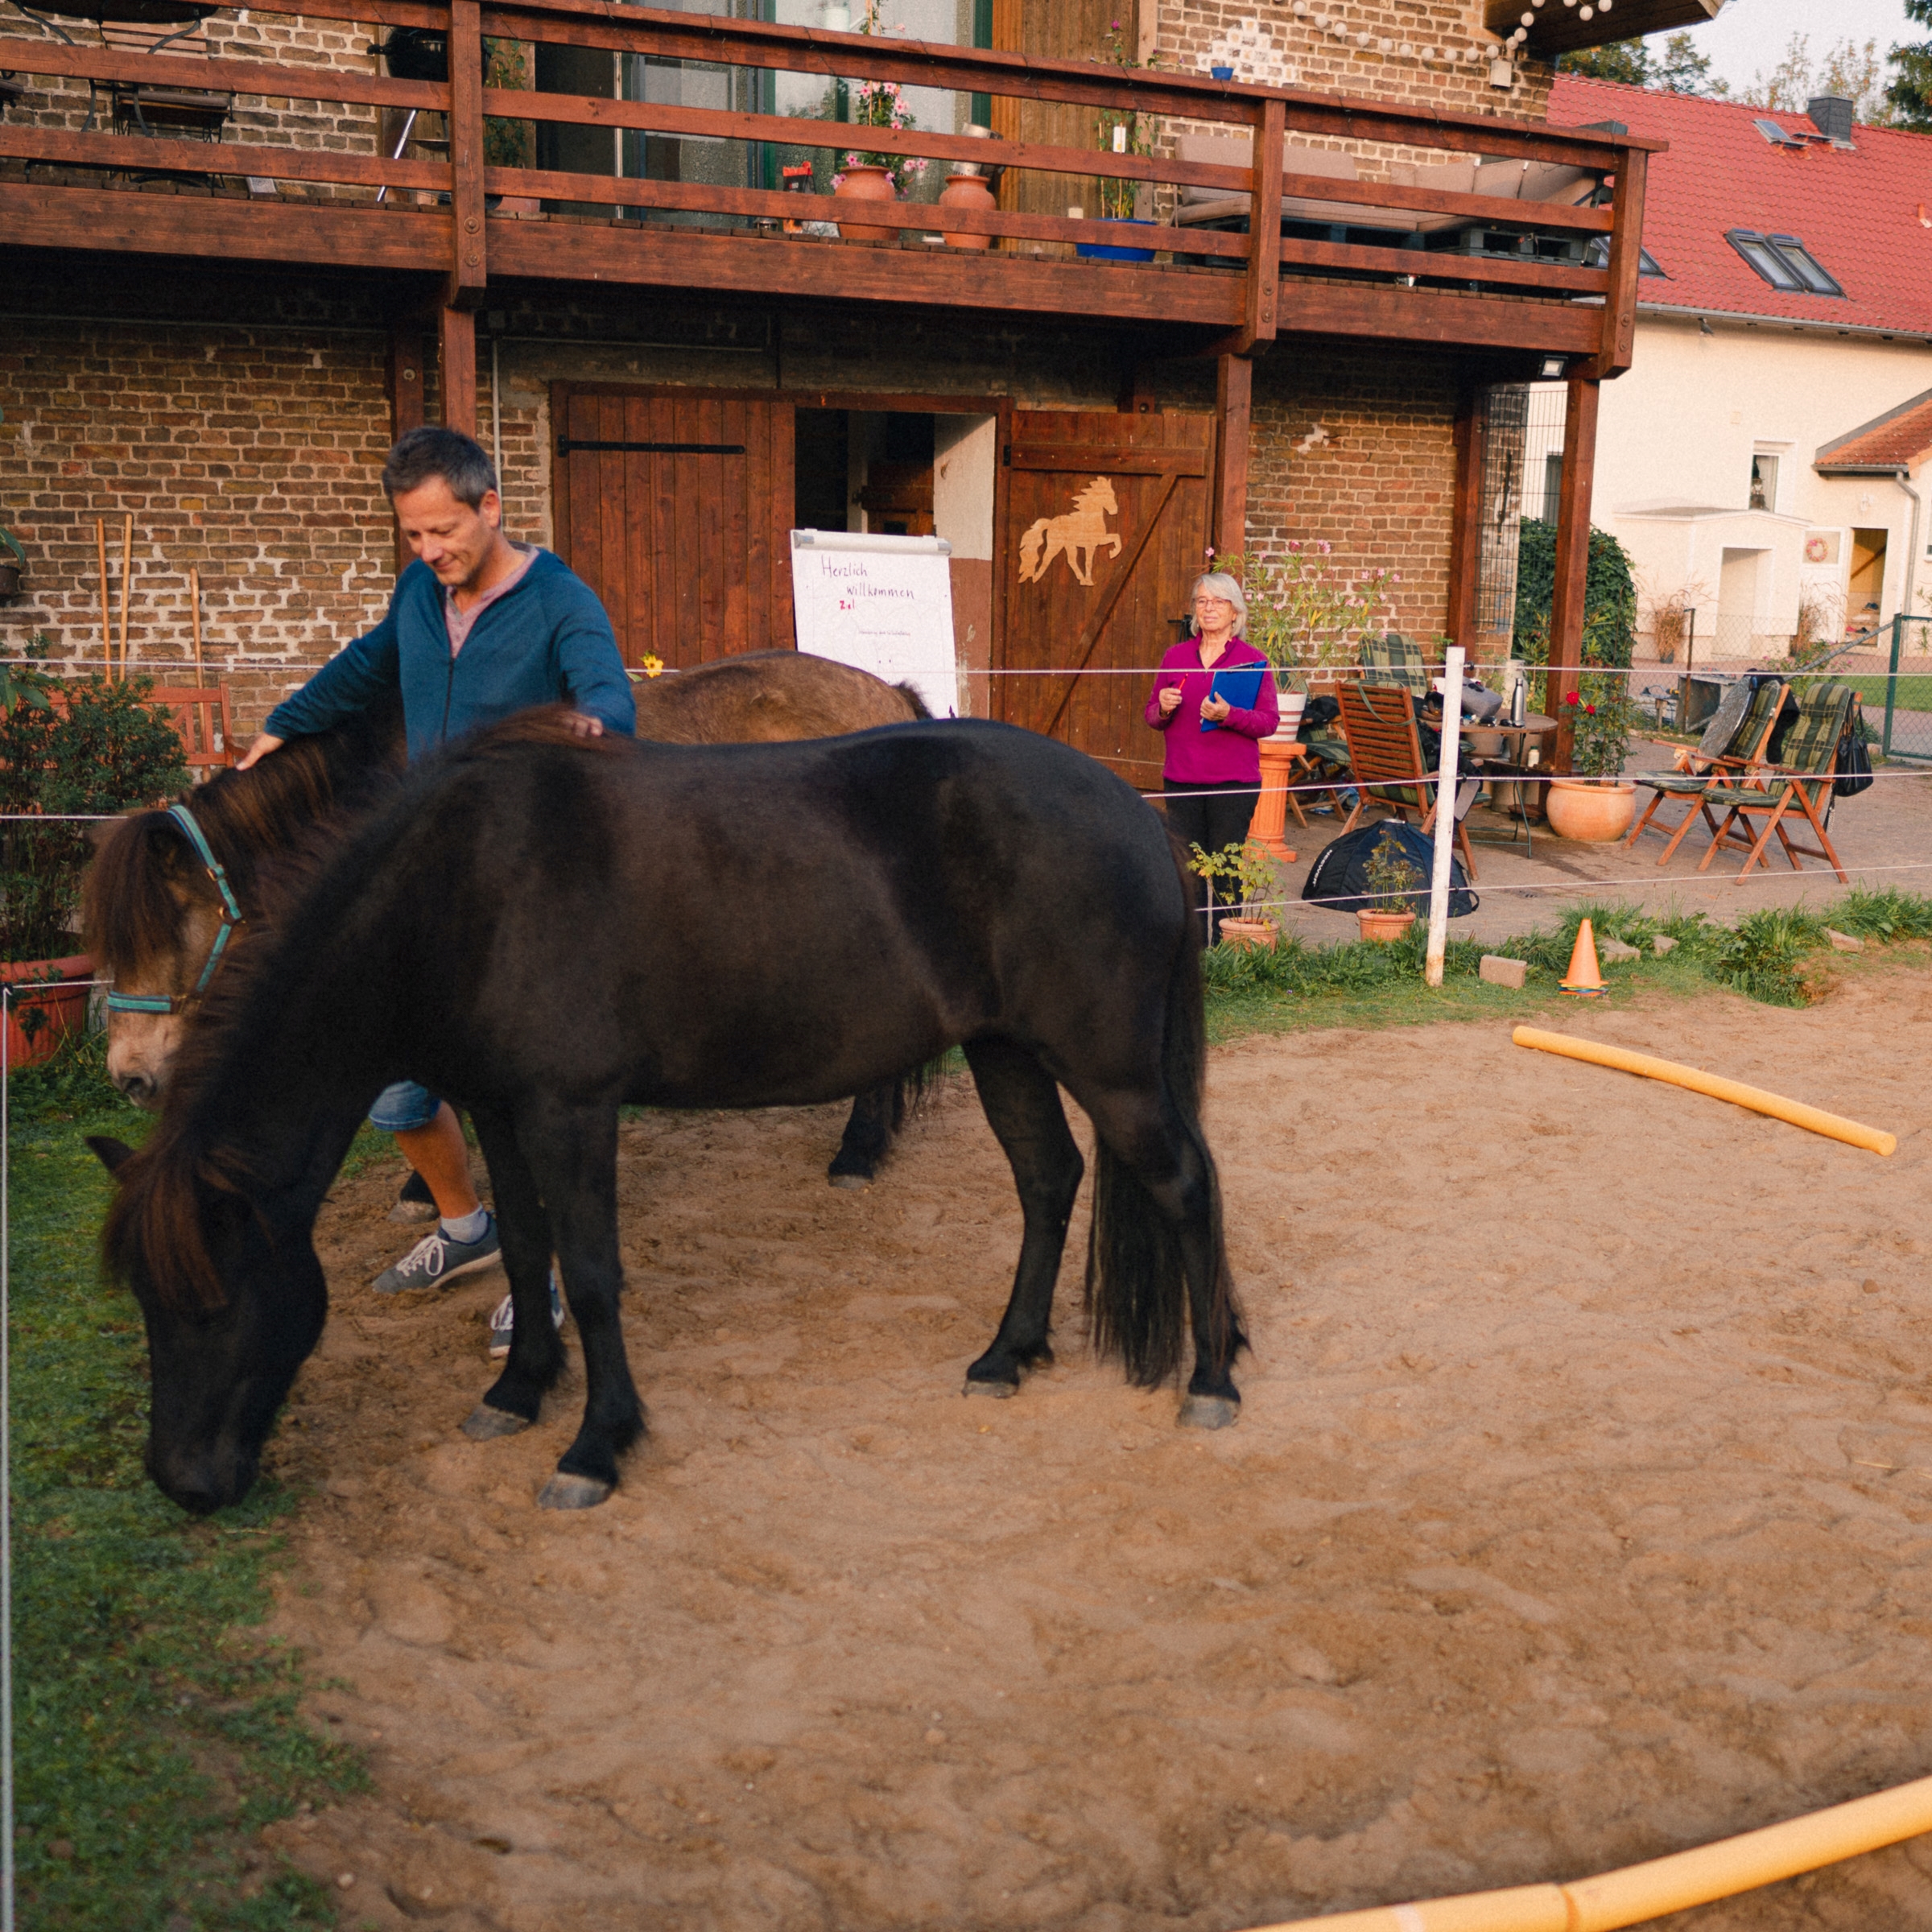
[1339, 876]
[1854, 761]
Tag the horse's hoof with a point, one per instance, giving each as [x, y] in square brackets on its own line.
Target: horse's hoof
[565, 1492]
[1209, 1412]
[849, 1180]
[485, 1424]
[1000, 1391]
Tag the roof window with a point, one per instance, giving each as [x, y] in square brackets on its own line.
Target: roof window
[1778, 137]
[1784, 261]
[1597, 255]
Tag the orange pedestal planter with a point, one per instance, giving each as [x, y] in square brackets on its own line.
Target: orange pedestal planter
[865, 185]
[968, 191]
[45, 1007]
[1270, 822]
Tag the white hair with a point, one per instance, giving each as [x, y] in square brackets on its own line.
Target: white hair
[1218, 584]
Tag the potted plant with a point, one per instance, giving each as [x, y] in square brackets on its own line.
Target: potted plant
[876, 177]
[1250, 871]
[1307, 615]
[1120, 131]
[1393, 880]
[100, 748]
[1594, 805]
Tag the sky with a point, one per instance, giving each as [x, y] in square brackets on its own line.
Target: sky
[1749, 36]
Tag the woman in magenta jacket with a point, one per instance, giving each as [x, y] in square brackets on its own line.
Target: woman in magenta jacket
[1212, 778]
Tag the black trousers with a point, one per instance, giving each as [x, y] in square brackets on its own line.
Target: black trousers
[1212, 816]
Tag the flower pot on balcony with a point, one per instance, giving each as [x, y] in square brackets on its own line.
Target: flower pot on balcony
[861, 183]
[1099, 251]
[1589, 811]
[968, 191]
[46, 1005]
[1378, 927]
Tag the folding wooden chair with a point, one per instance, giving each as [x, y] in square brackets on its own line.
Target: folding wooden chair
[1391, 659]
[1803, 781]
[1734, 744]
[1378, 723]
[199, 715]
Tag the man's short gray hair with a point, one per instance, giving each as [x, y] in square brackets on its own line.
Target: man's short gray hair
[432, 451]
[1218, 584]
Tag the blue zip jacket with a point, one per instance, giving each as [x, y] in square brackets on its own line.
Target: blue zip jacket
[546, 641]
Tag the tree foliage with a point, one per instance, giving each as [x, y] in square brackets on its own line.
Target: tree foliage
[1609, 597]
[1676, 68]
[1908, 95]
[1852, 69]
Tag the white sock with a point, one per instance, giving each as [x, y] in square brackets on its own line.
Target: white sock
[467, 1228]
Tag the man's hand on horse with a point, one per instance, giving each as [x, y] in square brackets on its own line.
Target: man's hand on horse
[264, 742]
[583, 725]
[1214, 709]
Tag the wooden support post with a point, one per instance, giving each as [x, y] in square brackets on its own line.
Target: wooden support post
[469, 265]
[1572, 555]
[1466, 516]
[1264, 226]
[406, 383]
[1233, 394]
[458, 369]
[1619, 343]
[1137, 396]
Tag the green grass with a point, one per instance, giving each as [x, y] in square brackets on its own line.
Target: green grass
[1914, 694]
[156, 1730]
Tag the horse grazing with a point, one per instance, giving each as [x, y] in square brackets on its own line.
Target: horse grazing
[531, 929]
[1082, 532]
[152, 908]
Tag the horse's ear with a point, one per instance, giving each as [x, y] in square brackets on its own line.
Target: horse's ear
[110, 1153]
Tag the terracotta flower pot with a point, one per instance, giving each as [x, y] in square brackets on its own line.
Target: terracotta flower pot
[866, 184]
[46, 1006]
[1378, 927]
[968, 191]
[1589, 811]
[1242, 933]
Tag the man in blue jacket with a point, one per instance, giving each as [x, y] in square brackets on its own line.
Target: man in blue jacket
[479, 628]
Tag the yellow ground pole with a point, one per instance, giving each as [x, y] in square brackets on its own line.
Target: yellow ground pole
[1834, 1125]
[1640, 1893]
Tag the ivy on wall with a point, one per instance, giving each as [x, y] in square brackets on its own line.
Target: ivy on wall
[1609, 598]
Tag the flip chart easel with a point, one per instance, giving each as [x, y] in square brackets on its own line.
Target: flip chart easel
[881, 604]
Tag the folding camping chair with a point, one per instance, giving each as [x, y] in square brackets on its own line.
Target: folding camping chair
[1804, 780]
[1735, 742]
[1378, 722]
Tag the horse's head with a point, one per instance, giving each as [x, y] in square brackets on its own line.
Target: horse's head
[234, 1300]
[1099, 495]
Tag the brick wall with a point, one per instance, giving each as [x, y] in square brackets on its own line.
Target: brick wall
[251, 452]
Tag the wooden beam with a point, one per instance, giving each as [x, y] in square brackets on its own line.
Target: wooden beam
[1265, 264]
[459, 369]
[1572, 555]
[217, 158]
[469, 266]
[1439, 265]
[1436, 315]
[1138, 396]
[406, 389]
[1465, 515]
[196, 227]
[267, 78]
[1626, 269]
[1233, 402]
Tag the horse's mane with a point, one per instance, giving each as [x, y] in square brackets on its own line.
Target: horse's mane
[156, 1223]
[252, 820]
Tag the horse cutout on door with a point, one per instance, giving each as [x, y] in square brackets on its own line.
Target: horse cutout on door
[1081, 532]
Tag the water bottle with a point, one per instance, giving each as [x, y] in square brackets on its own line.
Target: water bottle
[1518, 686]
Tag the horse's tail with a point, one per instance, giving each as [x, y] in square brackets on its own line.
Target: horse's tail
[1029, 549]
[1137, 1285]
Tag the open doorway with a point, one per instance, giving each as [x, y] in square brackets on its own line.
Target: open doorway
[1865, 593]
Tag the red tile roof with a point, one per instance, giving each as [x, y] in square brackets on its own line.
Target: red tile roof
[1894, 440]
[1864, 214]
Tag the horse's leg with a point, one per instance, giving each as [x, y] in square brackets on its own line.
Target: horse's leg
[1162, 1173]
[1023, 1108]
[536, 1352]
[868, 1134]
[573, 1153]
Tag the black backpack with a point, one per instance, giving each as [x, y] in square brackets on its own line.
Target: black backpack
[1339, 876]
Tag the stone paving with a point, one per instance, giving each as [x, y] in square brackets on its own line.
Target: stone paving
[1884, 837]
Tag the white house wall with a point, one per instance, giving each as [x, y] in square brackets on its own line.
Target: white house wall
[1675, 443]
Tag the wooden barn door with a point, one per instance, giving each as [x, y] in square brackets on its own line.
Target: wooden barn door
[1106, 527]
[676, 506]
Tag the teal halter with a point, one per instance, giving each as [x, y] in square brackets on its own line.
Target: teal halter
[231, 918]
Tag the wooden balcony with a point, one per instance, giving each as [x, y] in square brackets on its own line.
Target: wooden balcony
[1555, 279]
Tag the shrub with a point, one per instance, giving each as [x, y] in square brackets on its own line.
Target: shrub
[1609, 598]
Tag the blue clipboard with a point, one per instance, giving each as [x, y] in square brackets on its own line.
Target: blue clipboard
[1241, 684]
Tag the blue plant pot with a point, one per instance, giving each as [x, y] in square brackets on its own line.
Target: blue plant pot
[1098, 251]
[1220, 73]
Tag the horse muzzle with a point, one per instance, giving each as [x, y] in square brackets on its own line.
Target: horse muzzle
[202, 1481]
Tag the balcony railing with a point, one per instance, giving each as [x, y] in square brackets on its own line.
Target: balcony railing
[1373, 255]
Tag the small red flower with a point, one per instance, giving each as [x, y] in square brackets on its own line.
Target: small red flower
[1591, 709]
[1575, 697]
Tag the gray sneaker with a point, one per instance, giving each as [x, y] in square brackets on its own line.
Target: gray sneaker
[503, 1317]
[436, 1260]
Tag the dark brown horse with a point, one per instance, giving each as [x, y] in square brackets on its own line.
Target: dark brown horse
[530, 929]
[153, 910]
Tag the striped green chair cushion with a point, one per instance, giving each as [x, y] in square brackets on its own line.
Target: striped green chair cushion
[1393, 660]
[1810, 751]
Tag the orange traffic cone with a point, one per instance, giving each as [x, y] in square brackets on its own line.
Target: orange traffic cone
[1584, 981]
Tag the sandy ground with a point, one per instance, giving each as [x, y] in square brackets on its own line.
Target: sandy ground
[1581, 1510]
